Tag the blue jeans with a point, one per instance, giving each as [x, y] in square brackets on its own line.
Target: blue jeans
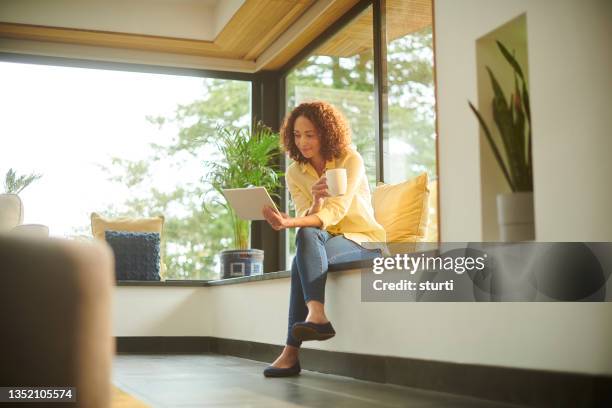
[316, 250]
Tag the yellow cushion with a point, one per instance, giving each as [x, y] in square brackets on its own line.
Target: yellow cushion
[402, 209]
[100, 224]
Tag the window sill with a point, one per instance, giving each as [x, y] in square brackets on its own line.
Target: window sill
[344, 266]
[169, 282]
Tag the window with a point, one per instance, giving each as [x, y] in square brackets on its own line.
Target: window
[409, 142]
[341, 72]
[121, 144]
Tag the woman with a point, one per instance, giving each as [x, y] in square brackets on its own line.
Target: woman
[317, 137]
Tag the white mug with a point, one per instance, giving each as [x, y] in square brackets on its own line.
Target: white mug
[336, 182]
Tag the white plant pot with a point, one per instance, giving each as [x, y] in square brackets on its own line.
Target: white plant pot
[11, 212]
[515, 216]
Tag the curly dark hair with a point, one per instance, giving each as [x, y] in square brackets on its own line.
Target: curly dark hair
[330, 123]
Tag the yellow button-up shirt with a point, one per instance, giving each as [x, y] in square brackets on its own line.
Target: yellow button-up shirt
[351, 214]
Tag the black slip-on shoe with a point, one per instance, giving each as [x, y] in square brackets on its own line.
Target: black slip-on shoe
[271, 371]
[305, 331]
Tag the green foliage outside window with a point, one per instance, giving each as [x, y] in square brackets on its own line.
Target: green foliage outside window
[193, 238]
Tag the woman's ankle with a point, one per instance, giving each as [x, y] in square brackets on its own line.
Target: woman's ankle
[318, 319]
[290, 350]
[288, 357]
[316, 312]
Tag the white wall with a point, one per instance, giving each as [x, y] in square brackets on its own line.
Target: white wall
[551, 336]
[570, 59]
[161, 311]
[571, 337]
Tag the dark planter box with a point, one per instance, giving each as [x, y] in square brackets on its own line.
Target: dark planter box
[241, 262]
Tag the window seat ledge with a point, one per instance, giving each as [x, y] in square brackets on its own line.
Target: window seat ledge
[344, 266]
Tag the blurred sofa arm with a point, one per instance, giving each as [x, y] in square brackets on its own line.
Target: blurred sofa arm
[55, 311]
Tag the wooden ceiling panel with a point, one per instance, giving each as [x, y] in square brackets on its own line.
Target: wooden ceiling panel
[252, 30]
[336, 10]
[109, 39]
[403, 17]
[407, 16]
[257, 24]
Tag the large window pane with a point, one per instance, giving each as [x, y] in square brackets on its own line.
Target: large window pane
[341, 72]
[121, 144]
[410, 139]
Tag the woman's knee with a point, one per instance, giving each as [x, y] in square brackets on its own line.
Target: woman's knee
[307, 233]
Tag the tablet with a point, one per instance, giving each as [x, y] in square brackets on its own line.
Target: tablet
[249, 202]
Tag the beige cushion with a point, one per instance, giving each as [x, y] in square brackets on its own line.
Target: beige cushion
[11, 212]
[99, 224]
[402, 209]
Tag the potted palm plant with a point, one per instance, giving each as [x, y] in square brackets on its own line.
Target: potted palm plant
[513, 119]
[247, 159]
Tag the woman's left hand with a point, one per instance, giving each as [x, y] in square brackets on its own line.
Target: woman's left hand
[277, 220]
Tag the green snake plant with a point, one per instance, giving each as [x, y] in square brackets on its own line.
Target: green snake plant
[513, 119]
[248, 158]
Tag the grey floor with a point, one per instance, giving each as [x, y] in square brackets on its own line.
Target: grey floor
[212, 380]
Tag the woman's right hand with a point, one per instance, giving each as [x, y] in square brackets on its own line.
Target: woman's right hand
[319, 191]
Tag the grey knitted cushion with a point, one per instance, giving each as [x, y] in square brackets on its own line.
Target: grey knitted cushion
[136, 254]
